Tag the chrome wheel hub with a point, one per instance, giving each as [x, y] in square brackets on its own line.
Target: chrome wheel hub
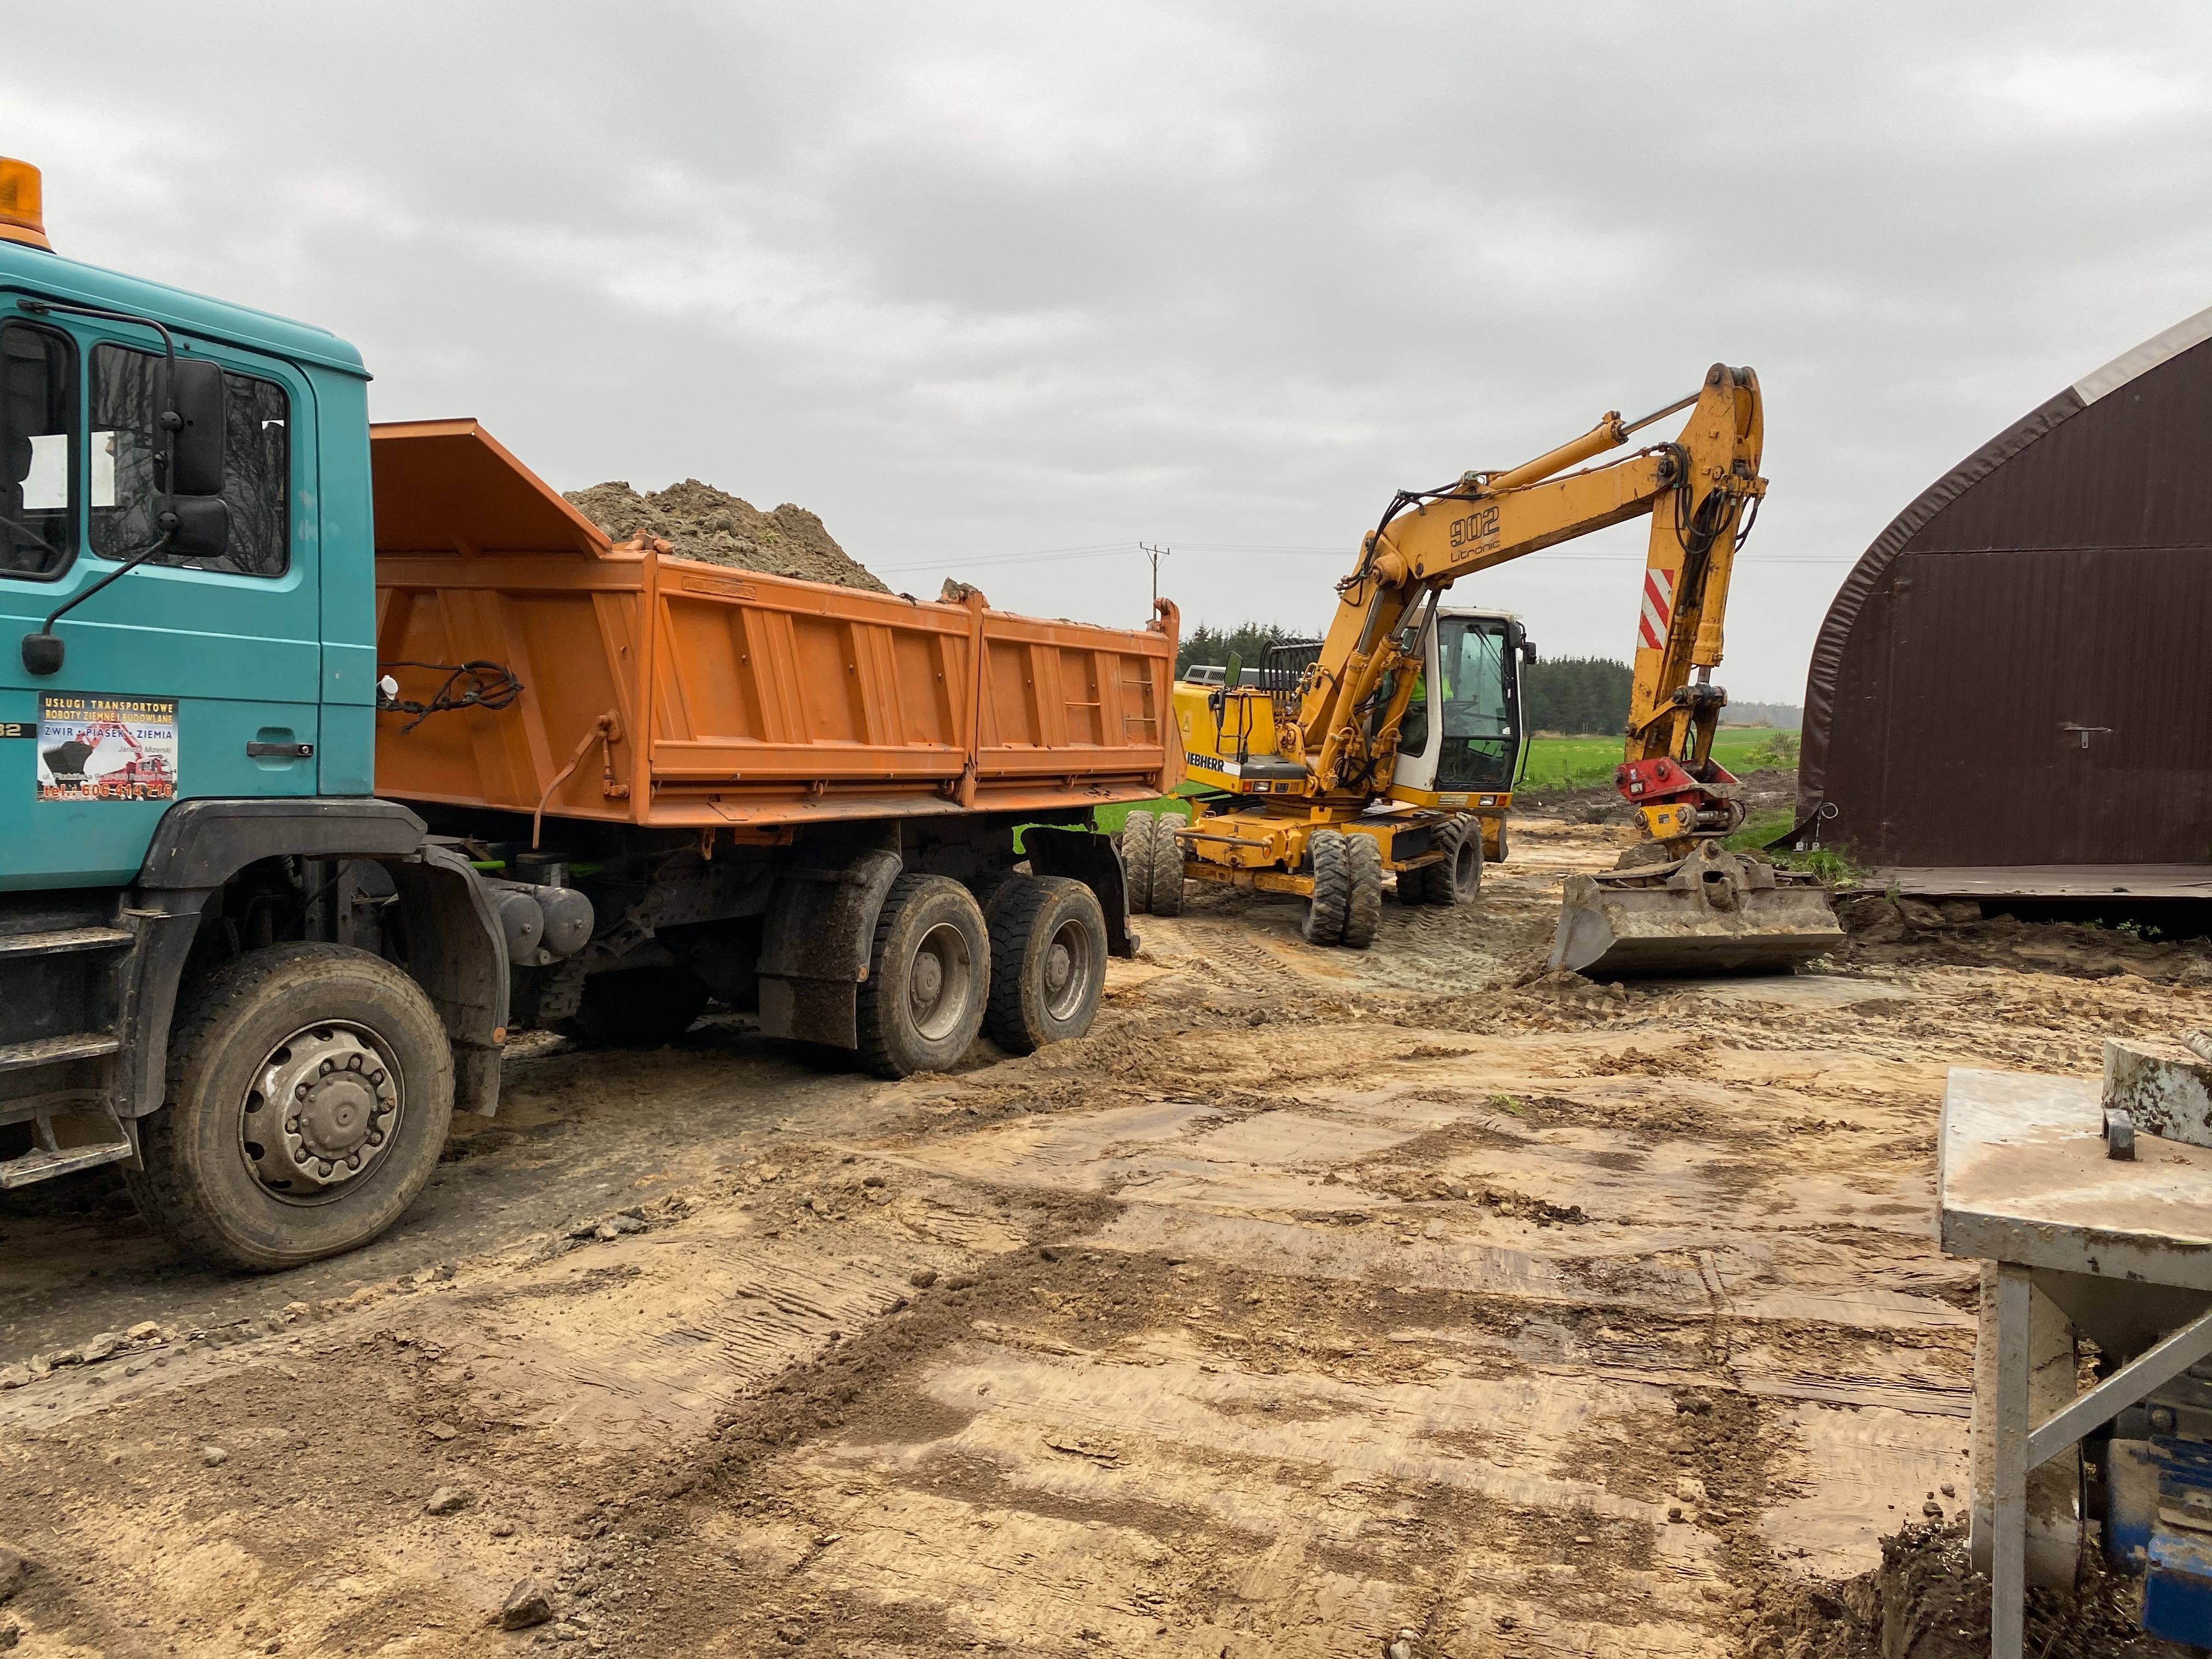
[1069, 968]
[940, 981]
[324, 1106]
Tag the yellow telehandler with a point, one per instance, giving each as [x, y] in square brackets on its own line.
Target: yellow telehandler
[1387, 749]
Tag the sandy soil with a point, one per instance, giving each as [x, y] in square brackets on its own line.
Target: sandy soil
[1316, 1296]
[699, 521]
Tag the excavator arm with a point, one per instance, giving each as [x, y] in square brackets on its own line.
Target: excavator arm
[1696, 490]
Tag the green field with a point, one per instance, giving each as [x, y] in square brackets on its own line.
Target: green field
[1575, 762]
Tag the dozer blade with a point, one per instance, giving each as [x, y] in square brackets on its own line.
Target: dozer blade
[1713, 912]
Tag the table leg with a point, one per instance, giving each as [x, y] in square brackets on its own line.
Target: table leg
[2009, 1540]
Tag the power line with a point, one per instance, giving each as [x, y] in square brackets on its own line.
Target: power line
[1108, 550]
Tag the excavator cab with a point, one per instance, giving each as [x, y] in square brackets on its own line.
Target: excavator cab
[1462, 733]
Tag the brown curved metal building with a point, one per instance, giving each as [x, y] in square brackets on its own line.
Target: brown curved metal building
[2012, 693]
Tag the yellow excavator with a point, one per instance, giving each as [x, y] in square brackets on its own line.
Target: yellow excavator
[1386, 749]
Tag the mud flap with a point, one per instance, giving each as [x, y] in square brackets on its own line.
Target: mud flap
[1713, 912]
[1091, 859]
[815, 950]
[457, 953]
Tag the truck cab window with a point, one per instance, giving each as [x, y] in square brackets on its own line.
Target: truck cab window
[127, 460]
[38, 451]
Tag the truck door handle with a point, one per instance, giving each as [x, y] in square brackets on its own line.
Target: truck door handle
[280, 750]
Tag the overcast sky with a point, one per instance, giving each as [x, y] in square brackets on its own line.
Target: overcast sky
[1001, 290]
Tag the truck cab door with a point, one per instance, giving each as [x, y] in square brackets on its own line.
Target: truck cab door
[189, 676]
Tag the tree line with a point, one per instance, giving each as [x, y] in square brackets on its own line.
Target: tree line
[1576, 695]
[1249, 641]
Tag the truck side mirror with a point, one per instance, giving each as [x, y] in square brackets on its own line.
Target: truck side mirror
[1528, 652]
[201, 526]
[1233, 676]
[197, 401]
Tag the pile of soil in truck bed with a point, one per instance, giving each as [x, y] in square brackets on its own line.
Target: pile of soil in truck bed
[702, 522]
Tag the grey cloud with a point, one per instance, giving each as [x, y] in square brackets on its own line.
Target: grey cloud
[972, 279]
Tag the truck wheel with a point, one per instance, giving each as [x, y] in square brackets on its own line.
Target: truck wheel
[928, 978]
[1047, 964]
[310, 1088]
[1137, 861]
[1167, 864]
[1363, 907]
[1458, 876]
[1505, 842]
[1331, 889]
[641, 1007]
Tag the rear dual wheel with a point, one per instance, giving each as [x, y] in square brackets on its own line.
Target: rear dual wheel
[1048, 962]
[940, 973]
[1151, 862]
[1363, 905]
[928, 979]
[1346, 905]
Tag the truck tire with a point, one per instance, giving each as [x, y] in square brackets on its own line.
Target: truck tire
[1137, 861]
[929, 977]
[641, 1007]
[1457, 878]
[341, 1034]
[1363, 905]
[1167, 864]
[1332, 887]
[1048, 964]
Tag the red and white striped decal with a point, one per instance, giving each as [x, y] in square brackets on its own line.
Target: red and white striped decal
[1658, 607]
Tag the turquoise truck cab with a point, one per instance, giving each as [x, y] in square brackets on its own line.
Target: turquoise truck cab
[249, 675]
[188, 684]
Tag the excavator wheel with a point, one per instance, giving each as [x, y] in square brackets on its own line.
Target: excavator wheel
[1363, 909]
[1167, 864]
[1332, 887]
[1137, 861]
[1457, 877]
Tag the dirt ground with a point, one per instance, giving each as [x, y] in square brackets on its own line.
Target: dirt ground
[1315, 1296]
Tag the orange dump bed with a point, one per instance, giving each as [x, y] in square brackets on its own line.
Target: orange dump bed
[667, 692]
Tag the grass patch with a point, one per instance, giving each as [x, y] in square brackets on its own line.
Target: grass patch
[1111, 818]
[1578, 762]
[1760, 828]
[1834, 868]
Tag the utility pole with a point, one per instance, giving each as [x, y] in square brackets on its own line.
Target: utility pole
[1155, 554]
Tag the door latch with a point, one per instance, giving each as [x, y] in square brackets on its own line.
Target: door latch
[280, 750]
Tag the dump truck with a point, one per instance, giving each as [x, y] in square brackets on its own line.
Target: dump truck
[331, 759]
[1379, 758]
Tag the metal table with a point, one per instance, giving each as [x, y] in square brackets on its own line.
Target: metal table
[2124, 1249]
